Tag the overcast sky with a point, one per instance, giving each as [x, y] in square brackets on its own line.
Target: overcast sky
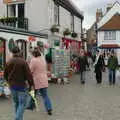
[89, 8]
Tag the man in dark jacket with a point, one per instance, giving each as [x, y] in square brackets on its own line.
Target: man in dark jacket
[19, 78]
[83, 63]
[112, 66]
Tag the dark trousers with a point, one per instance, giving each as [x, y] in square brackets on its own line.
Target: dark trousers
[82, 76]
[99, 77]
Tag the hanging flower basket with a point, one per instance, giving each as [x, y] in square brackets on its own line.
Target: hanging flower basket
[54, 29]
[8, 19]
[66, 32]
[74, 35]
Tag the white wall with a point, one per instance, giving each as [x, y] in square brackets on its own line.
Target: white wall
[37, 14]
[3, 11]
[102, 41]
[65, 19]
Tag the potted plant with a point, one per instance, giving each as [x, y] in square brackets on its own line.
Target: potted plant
[66, 32]
[54, 28]
[74, 35]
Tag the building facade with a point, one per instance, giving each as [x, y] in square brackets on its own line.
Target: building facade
[43, 14]
[109, 30]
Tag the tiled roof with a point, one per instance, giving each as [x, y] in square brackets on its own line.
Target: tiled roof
[70, 7]
[112, 24]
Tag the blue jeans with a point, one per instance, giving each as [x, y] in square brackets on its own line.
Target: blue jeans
[112, 76]
[19, 99]
[47, 102]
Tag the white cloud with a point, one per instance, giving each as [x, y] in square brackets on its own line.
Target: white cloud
[89, 8]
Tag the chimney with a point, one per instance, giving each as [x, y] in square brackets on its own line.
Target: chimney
[99, 15]
[109, 6]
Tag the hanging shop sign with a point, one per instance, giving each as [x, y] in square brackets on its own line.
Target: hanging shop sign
[31, 38]
[12, 1]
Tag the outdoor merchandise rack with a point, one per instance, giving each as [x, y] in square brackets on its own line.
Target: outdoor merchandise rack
[61, 62]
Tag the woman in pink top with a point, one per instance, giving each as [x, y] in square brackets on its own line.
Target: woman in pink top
[39, 71]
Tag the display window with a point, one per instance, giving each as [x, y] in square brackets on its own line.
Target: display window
[2, 54]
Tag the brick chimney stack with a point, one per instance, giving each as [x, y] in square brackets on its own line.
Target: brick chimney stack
[99, 15]
[109, 6]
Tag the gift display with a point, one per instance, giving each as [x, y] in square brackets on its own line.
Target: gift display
[4, 88]
[61, 62]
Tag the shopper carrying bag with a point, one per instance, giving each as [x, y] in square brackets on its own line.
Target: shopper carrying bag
[38, 68]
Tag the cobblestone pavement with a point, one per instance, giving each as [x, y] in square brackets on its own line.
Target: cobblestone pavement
[75, 102]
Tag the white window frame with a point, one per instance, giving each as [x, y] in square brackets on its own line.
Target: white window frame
[110, 35]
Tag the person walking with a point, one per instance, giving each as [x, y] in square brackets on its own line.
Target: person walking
[38, 68]
[19, 76]
[112, 66]
[99, 67]
[83, 63]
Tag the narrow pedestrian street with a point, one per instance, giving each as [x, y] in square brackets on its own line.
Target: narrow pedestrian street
[75, 102]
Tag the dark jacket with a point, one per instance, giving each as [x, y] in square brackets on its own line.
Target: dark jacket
[112, 62]
[17, 73]
[100, 64]
[83, 63]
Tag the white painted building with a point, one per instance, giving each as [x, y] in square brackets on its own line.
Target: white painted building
[109, 30]
[43, 14]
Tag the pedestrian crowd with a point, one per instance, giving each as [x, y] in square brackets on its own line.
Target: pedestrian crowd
[25, 76]
[100, 66]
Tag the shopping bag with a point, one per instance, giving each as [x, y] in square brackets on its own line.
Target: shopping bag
[7, 91]
[31, 102]
[30, 105]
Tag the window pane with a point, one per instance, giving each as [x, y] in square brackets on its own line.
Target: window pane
[109, 35]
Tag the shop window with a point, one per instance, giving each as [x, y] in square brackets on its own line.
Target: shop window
[2, 54]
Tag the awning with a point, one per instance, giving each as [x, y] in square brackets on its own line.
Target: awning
[109, 46]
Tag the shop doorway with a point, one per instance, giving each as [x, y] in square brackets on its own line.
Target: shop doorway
[22, 44]
[2, 54]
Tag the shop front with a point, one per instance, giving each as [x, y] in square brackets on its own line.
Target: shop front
[8, 39]
[74, 46]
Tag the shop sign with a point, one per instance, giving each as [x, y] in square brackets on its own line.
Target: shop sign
[31, 38]
[12, 1]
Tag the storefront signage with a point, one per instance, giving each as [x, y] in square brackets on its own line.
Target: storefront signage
[12, 1]
[31, 38]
